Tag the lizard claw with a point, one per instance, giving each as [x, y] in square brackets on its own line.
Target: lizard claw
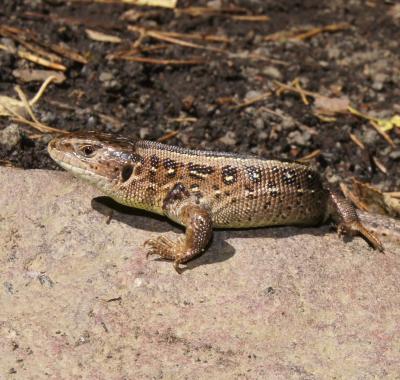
[177, 267]
[162, 247]
[166, 249]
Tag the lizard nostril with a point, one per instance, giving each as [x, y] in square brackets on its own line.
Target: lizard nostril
[126, 172]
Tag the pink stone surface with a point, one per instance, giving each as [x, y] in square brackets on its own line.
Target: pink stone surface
[78, 299]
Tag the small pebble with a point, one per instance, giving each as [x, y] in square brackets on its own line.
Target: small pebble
[143, 132]
[299, 138]
[105, 76]
[10, 136]
[252, 94]
[229, 138]
[395, 155]
[272, 72]
[259, 123]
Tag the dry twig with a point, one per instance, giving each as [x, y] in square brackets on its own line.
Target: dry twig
[357, 141]
[301, 34]
[34, 58]
[168, 136]
[281, 87]
[374, 123]
[172, 62]
[209, 11]
[308, 157]
[251, 18]
[149, 3]
[253, 100]
[379, 165]
[173, 38]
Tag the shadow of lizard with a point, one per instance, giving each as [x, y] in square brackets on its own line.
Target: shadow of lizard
[218, 249]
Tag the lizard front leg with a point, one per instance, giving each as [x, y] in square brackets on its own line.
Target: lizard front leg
[197, 219]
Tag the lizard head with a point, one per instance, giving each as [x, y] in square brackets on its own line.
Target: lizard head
[101, 159]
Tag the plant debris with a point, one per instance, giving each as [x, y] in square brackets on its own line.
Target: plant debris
[310, 82]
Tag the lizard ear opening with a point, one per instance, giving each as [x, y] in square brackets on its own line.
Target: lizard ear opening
[126, 172]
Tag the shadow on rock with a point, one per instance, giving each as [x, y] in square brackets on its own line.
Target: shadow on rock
[218, 250]
[133, 217]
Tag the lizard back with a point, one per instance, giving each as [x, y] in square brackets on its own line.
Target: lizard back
[238, 190]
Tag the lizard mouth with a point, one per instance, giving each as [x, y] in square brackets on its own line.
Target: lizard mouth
[61, 155]
[64, 155]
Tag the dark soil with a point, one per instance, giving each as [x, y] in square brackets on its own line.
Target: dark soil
[143, 100]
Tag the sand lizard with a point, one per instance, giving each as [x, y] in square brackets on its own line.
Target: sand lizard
[202, 190]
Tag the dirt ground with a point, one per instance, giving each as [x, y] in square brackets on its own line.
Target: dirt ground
[202, 104]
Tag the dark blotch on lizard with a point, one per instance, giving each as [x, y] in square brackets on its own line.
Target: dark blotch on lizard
[229, 175]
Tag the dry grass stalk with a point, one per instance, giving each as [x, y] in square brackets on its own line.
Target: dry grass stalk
[251, 18]
[185, 120]
[174, 38]
[374, 123]
[69, 53]
[168, 136]
[35, 44]
[382, 133]
[162, 37]
[198, 36]
[357, 141]
[308, 157]
[149, 3]
[34, 58]
[281, 87]
[38, 50]
[253, 100]
[296, 84]
[379, 165]
[332, 28]
[301, 34]
[209, 11]
[172, 62]
[124, 54]
[17, 109]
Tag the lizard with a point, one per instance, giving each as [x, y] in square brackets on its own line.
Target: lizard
[203, 190]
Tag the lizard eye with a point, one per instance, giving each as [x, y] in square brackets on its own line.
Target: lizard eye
[87, 150]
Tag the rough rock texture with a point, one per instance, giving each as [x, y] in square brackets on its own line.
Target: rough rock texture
[79, 300]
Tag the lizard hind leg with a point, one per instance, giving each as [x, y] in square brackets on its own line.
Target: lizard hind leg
[343, 212]
[180, 207]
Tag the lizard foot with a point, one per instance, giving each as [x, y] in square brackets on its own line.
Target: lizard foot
[356, 227]
[166, 249]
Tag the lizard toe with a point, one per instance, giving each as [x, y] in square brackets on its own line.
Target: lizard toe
[162, 247]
